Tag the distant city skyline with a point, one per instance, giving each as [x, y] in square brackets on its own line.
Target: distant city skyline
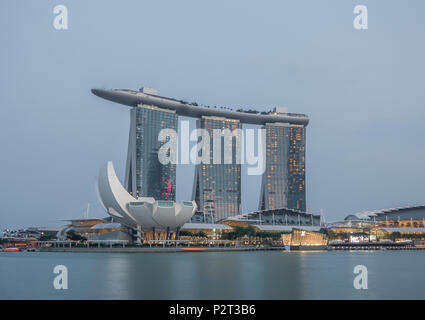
[362, 90]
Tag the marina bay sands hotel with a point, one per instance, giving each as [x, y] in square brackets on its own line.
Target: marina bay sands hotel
[217, 187]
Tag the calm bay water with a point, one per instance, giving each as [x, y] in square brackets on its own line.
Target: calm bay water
[214, 275]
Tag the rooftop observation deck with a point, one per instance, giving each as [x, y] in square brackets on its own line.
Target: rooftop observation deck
[134, 98]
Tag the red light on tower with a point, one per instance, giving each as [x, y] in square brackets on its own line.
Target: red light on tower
[168, 188]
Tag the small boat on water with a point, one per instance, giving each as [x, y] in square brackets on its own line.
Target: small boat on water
[11, 250]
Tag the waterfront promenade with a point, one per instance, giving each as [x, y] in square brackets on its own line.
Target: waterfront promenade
[158, 249]
[154, 246]
[168, 246]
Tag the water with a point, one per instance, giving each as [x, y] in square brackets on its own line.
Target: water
[214, 275]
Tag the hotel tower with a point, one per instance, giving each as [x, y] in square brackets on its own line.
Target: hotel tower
[217, 187]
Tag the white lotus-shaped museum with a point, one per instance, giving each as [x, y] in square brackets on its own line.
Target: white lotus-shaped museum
[145, 213]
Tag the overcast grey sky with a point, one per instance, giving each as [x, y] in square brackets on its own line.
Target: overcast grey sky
[363, 91]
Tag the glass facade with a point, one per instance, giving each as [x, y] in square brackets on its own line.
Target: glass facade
[217, 187]
[296, 169]
[283, 183]
[145, 175]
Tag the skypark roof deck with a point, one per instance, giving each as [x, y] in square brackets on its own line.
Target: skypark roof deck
[134, 98]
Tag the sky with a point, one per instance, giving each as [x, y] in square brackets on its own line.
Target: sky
[363, 91]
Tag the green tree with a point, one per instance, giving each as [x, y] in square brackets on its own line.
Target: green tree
[201, 234]
[395, 235]
[72, 235]
[47, 237]
[184, 233]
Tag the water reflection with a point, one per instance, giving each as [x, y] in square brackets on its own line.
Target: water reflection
[214, 275]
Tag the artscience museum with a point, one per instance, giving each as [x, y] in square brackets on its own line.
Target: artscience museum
[151, 219]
